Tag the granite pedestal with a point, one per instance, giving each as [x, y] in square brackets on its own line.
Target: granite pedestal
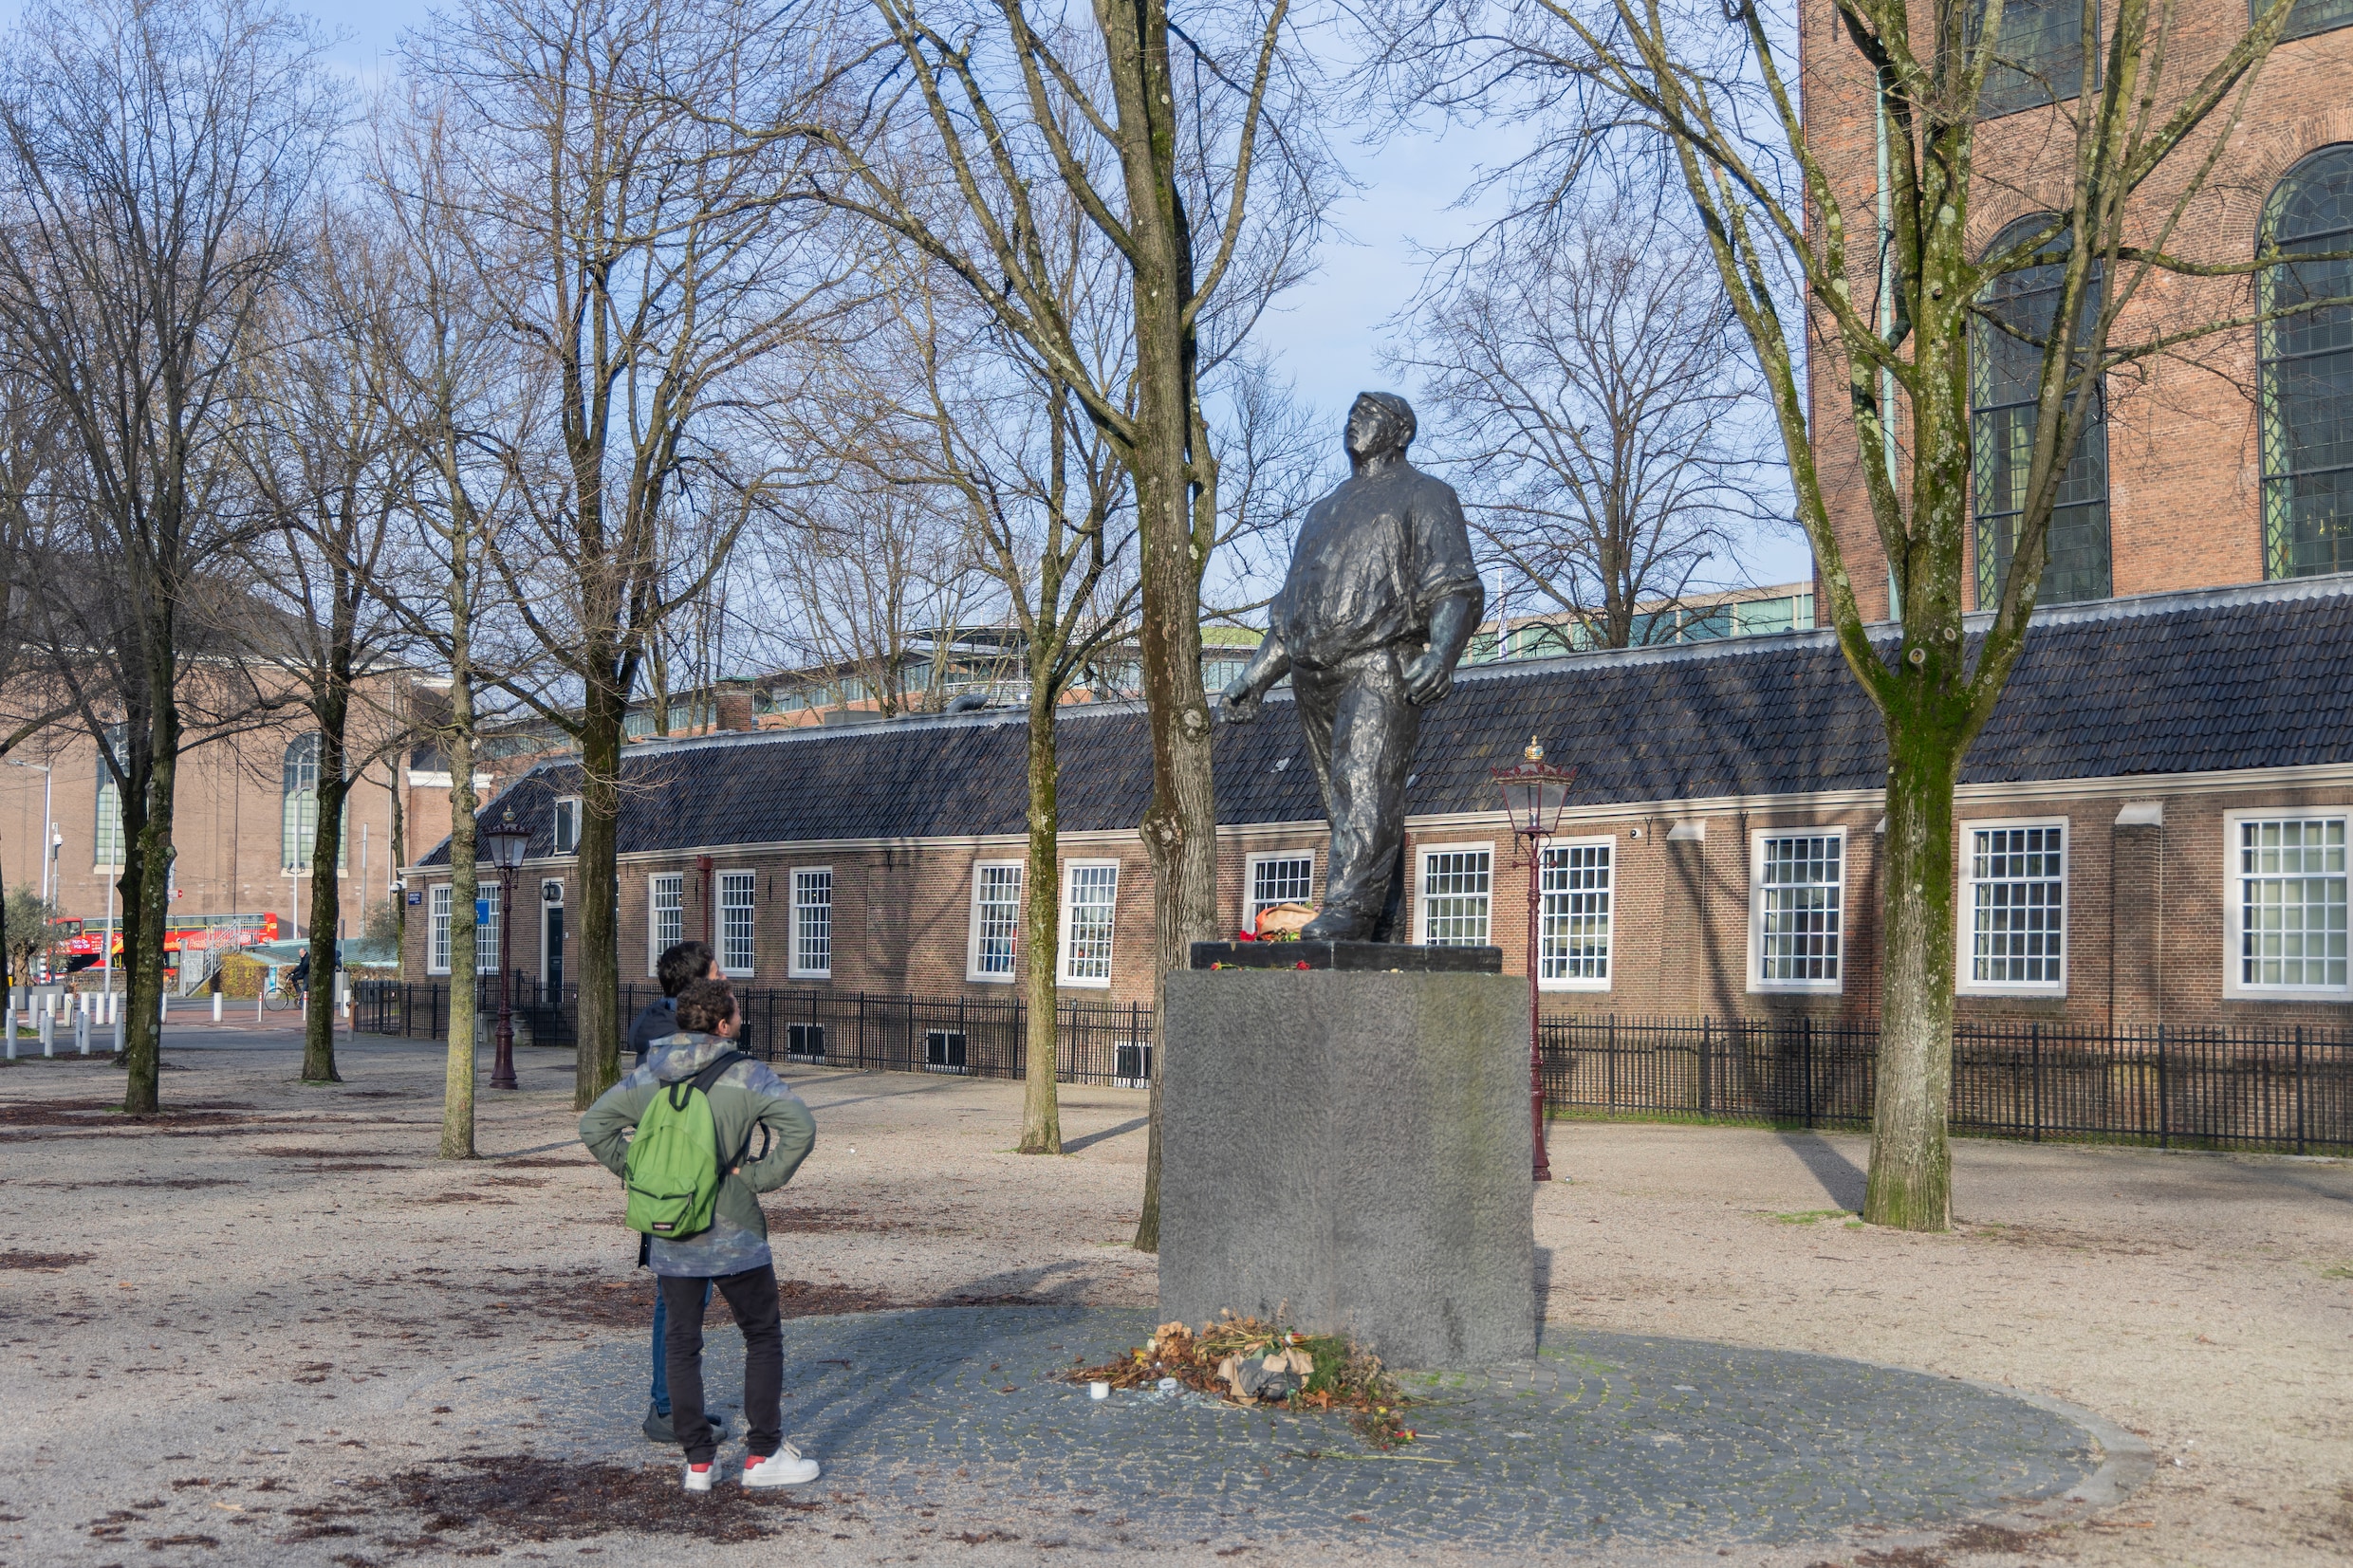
[1349, 1150]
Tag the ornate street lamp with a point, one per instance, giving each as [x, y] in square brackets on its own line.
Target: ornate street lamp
[506, 843]
[1534, 793]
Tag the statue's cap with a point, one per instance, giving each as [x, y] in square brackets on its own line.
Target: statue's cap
[1399, 411]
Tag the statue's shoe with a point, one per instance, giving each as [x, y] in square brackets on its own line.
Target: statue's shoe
[1336, 925]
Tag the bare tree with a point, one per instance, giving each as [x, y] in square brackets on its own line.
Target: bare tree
[1593, 385]
[629, 250]
[325, 456]
[1044, 499]
[156, 159]
[1191, 153]
[879, 578]
[2120, 173]
[446, 372]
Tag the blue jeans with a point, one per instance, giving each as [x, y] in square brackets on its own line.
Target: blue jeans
[661, 1357]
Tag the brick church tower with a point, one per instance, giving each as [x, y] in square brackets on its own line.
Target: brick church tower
[2230, 461]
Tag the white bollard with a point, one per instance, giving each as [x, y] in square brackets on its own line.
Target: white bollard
[48, 1034]
[118, 1034]
[257, 1009]
[11, 1023]
[81, 1032]
[163, 1008]
[114, 1010]
[216, 1007]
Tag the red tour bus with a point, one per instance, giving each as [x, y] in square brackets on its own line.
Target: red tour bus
[181, 934]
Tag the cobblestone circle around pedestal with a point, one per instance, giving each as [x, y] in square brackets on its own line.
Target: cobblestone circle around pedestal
[1606, 1437]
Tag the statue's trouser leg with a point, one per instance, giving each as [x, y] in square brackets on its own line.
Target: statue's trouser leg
[1361, 732]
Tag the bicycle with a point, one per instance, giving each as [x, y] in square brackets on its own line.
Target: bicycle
[279, 1000]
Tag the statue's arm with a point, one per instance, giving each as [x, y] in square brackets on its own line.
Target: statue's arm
[1271, 663]
[1451, 590]
[1431, 676]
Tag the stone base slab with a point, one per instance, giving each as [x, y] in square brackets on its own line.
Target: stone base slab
[1351, 1152]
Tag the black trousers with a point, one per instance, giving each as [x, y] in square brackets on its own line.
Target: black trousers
[751, 1296]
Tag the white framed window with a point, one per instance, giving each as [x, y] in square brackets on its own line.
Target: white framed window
[487, 915]
[665, 915]
[1287, 878]
[1458, 884]
[566, 824]
[437, 929]
[1090, 908]
[1574, 914]
[737, 892]
[2014, 907]
[2286, 888]
[994, 944]
[812, 922]
[1797, 909]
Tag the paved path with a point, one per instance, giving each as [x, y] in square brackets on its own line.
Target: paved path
[1609, 1441]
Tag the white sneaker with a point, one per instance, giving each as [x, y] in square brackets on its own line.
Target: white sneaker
[784, 1468]
[697, 1478]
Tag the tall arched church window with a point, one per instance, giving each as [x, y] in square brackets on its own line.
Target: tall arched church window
[2307, 372]
[2306, 17]
[2039, 58]
[106, 844]
[2005, 363]
[298, 829]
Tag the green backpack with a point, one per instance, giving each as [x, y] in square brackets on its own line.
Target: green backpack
[673, 1167]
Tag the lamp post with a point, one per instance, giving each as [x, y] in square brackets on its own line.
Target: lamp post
[507, 842]
[1534, 793]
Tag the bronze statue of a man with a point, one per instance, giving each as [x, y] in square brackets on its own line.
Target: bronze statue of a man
[1380, 599]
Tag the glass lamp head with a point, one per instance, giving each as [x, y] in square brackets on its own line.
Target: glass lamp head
[507, 842]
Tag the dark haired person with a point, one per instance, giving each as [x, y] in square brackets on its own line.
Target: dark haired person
[749, 1105]
[680, 965]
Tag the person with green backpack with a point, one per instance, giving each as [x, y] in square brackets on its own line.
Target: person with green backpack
[681, 1131]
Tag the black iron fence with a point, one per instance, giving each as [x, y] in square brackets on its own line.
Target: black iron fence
[977, 1037]
[2288, 1088]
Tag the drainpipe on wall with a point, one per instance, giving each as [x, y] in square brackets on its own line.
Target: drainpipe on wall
[703, 882]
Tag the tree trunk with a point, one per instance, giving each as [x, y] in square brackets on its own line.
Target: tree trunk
[147, 891]
[457, 1083]
[143, 1031]
[1911, 1179]
[326, 903]
[598, 1045]
[400, 856]
[1180, 828]
[1041, 889]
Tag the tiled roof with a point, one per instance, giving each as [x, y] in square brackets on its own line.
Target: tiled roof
[2173, 683]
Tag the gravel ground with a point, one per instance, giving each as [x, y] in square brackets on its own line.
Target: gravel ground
[224, 1328]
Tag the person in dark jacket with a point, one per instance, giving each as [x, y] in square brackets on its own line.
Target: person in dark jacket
[732, 1254]
[680, 965]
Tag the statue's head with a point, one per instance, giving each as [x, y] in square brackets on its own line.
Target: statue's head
[1380, 422]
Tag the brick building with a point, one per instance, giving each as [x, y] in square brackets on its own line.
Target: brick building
[2224, 463]
[245, 824]
[2152, 827]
